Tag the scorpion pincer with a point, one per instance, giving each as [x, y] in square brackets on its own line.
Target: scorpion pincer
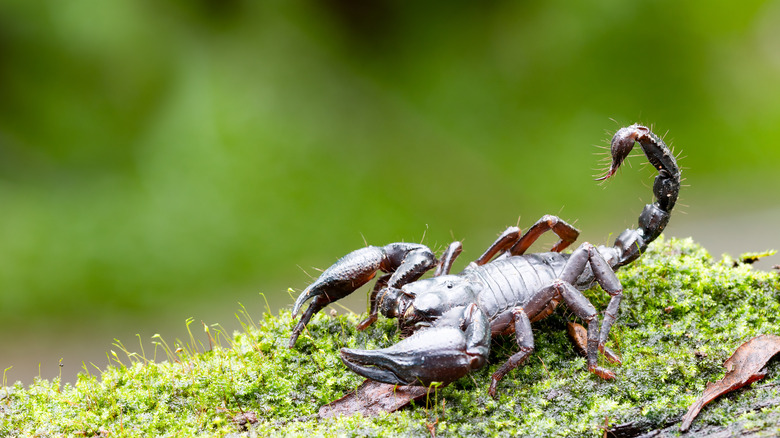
[447, 321]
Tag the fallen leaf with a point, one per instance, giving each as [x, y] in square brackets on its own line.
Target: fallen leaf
[744, 367]
[243, 418]
[372, 398]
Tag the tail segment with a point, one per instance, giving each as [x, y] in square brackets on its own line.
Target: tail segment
[653, 219]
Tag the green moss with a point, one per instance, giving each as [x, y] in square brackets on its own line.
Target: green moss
[682, 316]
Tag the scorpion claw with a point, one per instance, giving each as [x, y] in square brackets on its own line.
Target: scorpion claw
[437, 354]
[344, 277]
[302, 298]
[380, 369]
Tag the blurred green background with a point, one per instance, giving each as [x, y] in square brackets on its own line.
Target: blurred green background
[166, 160]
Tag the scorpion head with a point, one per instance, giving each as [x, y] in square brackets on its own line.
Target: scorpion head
[433, 297]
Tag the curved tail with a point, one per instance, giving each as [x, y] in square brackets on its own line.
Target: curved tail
[632, 242]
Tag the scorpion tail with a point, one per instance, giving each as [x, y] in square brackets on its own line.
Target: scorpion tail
[653, 219]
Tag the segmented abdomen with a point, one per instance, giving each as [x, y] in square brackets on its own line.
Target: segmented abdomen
[512, 281]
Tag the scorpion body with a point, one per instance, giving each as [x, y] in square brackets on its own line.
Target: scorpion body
[447, 321]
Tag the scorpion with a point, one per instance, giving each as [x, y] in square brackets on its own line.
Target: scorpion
[447, 321]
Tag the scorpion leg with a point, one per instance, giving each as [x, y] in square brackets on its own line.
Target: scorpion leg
[406, 261]
[606, 277]
[566, 232]
[449, 256]
[582, 307]
[502, 243]
[525, 340]
[457, 343]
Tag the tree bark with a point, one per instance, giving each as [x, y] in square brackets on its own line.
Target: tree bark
[671, 427]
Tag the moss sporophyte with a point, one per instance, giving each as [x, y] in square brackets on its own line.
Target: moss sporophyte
[682, 315]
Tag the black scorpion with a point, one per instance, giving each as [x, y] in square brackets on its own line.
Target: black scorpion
[449, 320]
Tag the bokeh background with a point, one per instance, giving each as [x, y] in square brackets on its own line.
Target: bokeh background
[168, 160]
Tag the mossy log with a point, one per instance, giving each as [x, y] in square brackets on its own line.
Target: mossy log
[682, 315]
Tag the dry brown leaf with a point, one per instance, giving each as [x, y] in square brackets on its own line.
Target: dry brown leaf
[372, 398]
[744, 367]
